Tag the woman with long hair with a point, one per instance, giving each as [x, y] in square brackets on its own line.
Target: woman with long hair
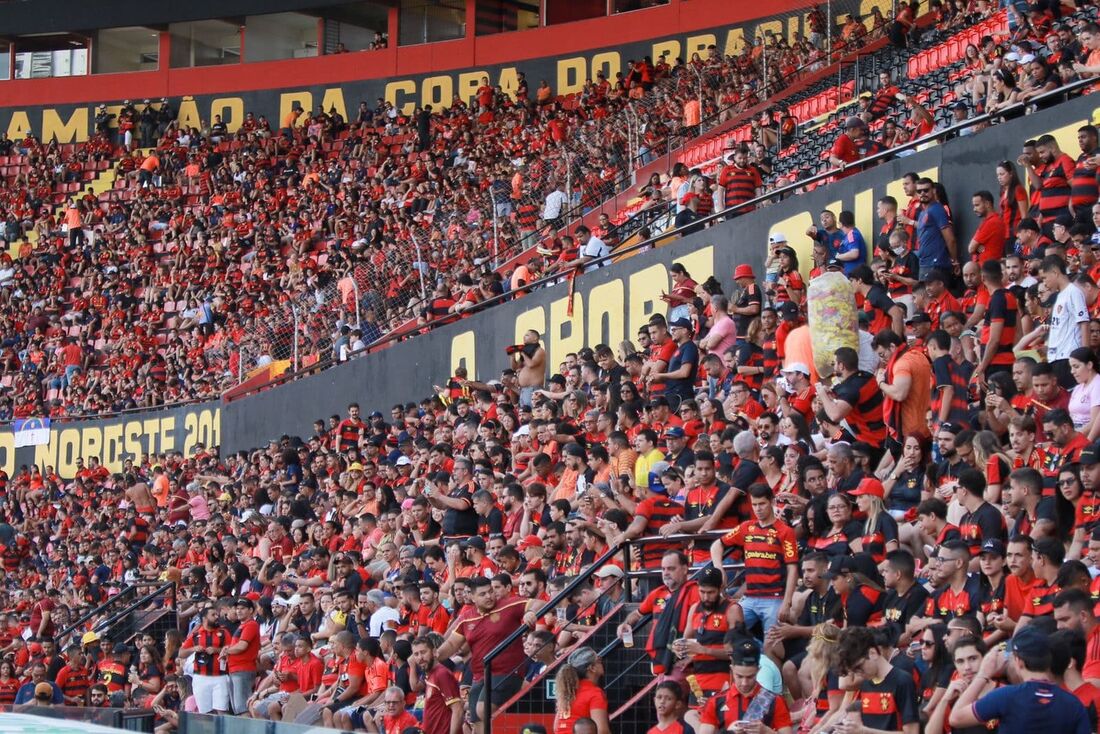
[148, 677]
[794, 427]
[1013, 200]
[818, 673]
[578, 692]
[859, 588]
[1084, 401]
[771, 466]
[1076, 510]
[173, 641]
[991, 459]
[937, 673]
[713, 415]
[9, 683]
[750, 357]
[905, 485]
[880, 529]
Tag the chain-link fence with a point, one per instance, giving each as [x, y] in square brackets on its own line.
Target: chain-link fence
[488, 209]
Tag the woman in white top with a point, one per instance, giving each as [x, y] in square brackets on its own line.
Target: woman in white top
[1084, 401]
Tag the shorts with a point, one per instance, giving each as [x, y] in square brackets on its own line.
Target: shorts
[211, 693]
[358, 716]
[526, 395]
[263, 706]
[240, 688]
[504, 687]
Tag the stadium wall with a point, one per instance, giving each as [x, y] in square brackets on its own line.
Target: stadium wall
[609, 305]
[63, 108]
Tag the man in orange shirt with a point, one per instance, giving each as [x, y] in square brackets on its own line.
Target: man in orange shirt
[368, 665]
[147, 170]
[988, 242]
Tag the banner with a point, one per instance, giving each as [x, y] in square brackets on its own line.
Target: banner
[31, 432]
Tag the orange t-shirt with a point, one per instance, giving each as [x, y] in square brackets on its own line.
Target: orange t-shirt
[160, 490]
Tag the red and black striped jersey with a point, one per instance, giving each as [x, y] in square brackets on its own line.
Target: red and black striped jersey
[866, 418]
[946, 604]
[1002, 309]
[767, 551]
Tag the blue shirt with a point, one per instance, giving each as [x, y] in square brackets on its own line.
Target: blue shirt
[831, 240]
[26, 693]
[933, 251]
[853, 241]
[1035, 706]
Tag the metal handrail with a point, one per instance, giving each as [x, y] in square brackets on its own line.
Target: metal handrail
[569, 588]
[653, 242]
[169, 586]
[112, 601]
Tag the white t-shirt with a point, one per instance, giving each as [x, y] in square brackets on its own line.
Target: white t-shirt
[384, 618]
[595, 248]
[1070, 310]
[555, 202]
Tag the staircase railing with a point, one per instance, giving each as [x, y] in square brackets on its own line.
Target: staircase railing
[120, 606]
[562, 597]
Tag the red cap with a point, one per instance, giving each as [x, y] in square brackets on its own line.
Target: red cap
[530, 540]
[870, 486]
[743, 271]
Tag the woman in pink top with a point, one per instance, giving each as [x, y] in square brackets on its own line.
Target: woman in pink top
[1084, 401]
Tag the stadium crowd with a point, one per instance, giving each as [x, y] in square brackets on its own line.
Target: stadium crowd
[149, 293]
[912, 523]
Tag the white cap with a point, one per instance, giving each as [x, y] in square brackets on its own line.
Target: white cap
[776, 237]
[403, 461]
[608, 571]
[524, 430]
[1012, 56]
[1027, 58]
[797, 367]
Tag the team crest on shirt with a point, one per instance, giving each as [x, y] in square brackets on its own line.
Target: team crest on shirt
[494, 617]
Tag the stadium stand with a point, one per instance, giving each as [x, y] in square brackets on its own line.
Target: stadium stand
[691, 532]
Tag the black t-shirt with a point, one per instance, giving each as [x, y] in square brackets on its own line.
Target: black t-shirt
[744, 476]
[891, 703]
[491, 524]
[900, 609]
[747, 297]
[685, 354]
[820, 608]
[461, 523]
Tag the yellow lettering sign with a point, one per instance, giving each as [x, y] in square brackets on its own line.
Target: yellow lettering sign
[73, 131]
[232, 111]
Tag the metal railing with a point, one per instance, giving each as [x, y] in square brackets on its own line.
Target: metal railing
[581, 579]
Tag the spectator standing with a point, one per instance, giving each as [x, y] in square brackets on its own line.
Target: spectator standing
[938, 250]
[211, 685]
[1069, 319]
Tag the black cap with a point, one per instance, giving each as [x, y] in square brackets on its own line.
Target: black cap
[1090, 454]
[120, 648]
[994, 546]
[841, 565]
[475, 541]
[787, 310]
[1031, 642]
[919, 318]
[711, 578]
[745, 652]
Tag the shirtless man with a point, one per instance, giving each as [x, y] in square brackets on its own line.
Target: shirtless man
[138, 493]
[530, 366]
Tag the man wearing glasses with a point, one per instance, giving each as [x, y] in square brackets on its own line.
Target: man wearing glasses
[392, 718]
[938, 248]
[957, 594]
